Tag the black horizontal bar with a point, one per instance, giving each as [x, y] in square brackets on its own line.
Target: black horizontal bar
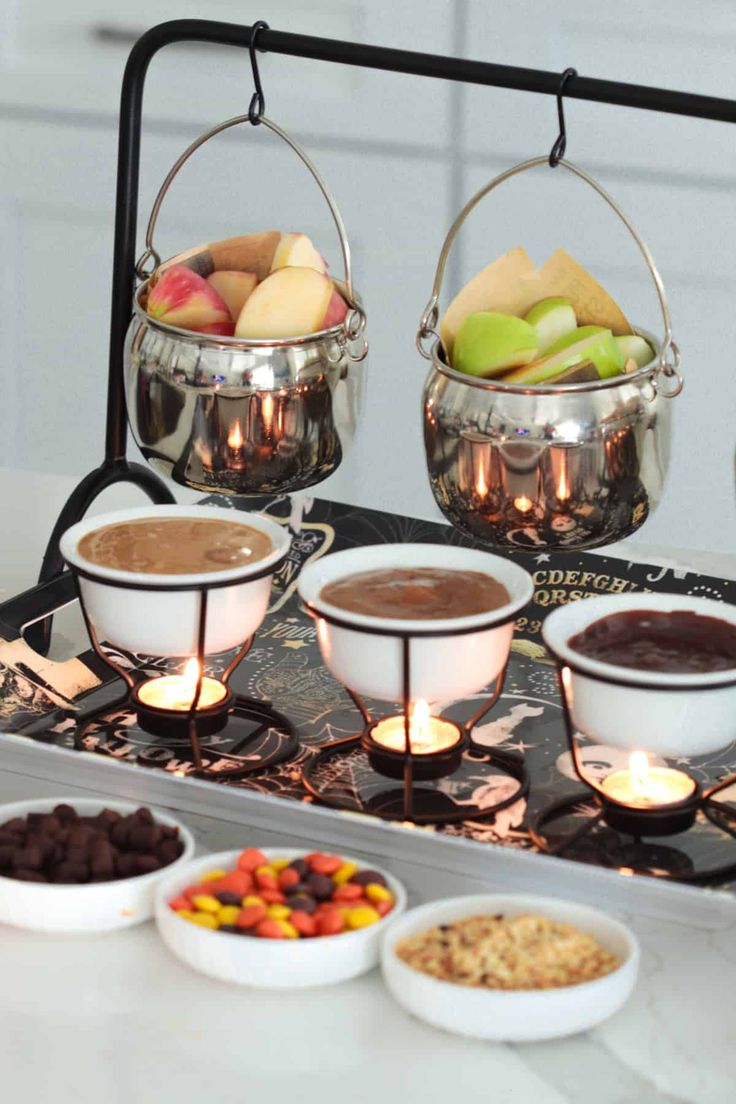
[441, 67]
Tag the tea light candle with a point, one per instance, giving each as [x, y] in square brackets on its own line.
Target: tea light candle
[235, 444]
[176, 692]
[427, 734]
[645, 787]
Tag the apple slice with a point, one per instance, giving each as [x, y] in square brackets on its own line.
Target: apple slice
[297, 251]
[225, 329]
[183, 298]
[635, 348]
[289, 302]
[233, 288]
[552, 319]
[594, 344]
[336, 311]
[488, 343]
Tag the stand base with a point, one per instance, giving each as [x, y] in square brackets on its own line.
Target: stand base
[253, 737]
[589, 836]
[423, 803]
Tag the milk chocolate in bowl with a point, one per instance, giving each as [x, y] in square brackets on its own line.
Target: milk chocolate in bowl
[416, 593]
[175, 545]
[674, 642]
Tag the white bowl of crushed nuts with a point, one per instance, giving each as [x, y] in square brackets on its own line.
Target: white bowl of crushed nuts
[508, 967]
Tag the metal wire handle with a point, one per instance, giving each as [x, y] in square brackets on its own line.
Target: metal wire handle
[355, 318]
[428, 322]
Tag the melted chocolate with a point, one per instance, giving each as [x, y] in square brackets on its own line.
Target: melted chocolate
[175, 545]
[416, 593]
[677, 642]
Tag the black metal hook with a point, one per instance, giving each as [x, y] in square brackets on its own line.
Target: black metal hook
[257, 100]
[558, 150]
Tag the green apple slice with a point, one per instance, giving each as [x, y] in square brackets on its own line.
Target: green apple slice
[635, 348]
[597, 347]
[552, 319]
[488, 344]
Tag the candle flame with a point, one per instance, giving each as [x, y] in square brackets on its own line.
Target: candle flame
[420, 717]
[639, 768]
[563, 486]
[523, 504]
[190, 675]
[267, 413]
[235, 437]
[481, 485]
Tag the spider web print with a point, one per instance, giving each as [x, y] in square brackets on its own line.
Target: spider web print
[284, 667]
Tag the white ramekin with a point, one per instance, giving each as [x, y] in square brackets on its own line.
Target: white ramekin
[269, 963]
[158, 622]
[452, 665]
[511, 1015]
[667, 714]
[97, 906]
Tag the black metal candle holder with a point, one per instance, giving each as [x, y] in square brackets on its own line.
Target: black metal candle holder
[410, 767]
[252, 720]
[594, 808]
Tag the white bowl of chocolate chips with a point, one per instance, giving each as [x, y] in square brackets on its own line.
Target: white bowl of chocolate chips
[84, 864]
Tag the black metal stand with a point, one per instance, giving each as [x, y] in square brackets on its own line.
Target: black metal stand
[197, 722]
[408, 801]
[644, 827]
[115, 468]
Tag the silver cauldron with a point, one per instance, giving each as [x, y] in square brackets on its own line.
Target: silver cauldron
[240, 416]
[548, 467]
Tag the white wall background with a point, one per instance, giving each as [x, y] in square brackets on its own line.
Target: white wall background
[401, 154]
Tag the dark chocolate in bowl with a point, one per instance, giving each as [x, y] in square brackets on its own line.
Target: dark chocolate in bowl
[666, 642]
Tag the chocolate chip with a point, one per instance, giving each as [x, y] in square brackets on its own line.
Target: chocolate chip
[79, 835]
[146, 864]
[368, 877]
[30, 875]
[301, 867]
[17, 826]
[169, 850]
[119, 832]
[125, 865]
[142, 838]
[109, 816]
[320, 886]
[72, 872]
[65, 813]
[28, 858]
[145, 816]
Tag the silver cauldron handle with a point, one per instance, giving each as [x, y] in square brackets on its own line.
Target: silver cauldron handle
[354, 324]
[669, 354]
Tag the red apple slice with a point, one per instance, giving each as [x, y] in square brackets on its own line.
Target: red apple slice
[233, 288]
[336, 311]
[289, 302]
[182, 298]
[225, 329]
[297, 251]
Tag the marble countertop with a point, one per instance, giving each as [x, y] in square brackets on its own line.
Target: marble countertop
[115, 1018]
